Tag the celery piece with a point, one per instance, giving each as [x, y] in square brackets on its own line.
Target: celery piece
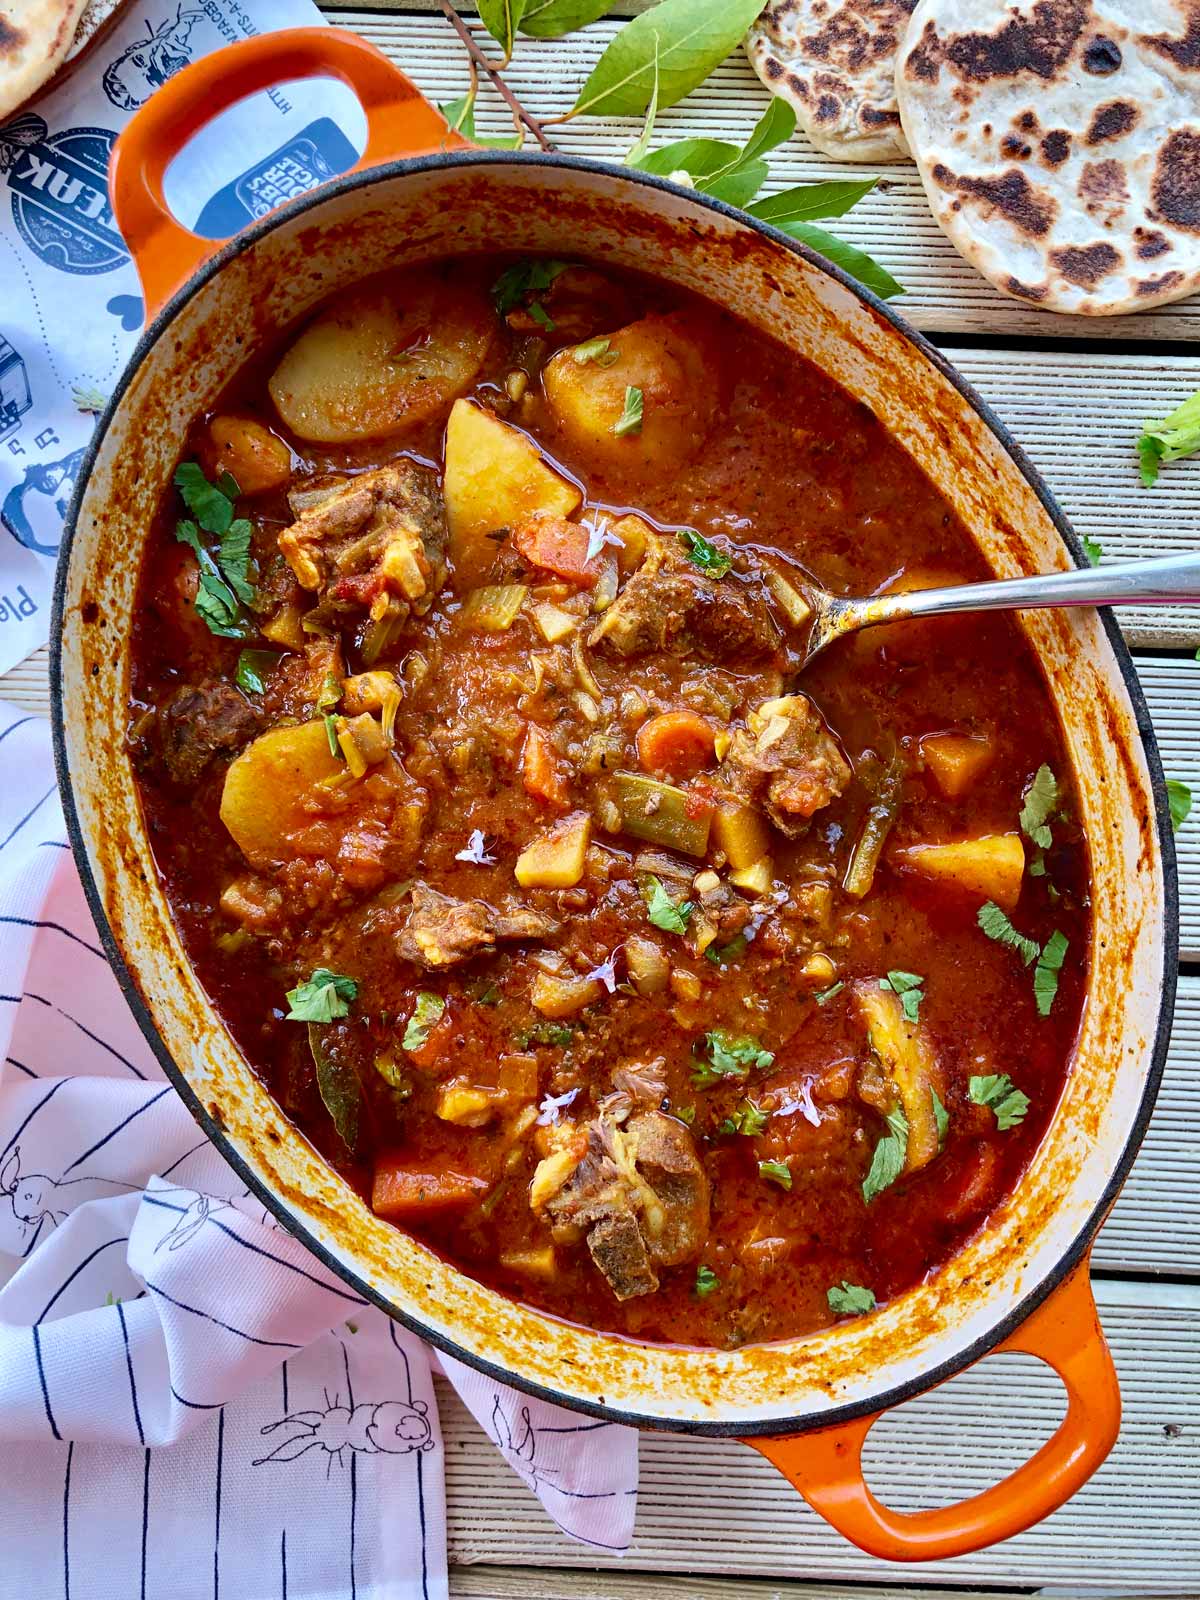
[662, 813]
[494, 608]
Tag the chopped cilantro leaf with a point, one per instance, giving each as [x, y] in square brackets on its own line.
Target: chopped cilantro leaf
[630, 420]
[824, 996]
[997, 926]
[995, 1089]
[748, 1119]
[940, 1115]
[706, 556]
[426, 1014]
[721, 955]
[521, 279]
[211, 506]
[669, 915]
[776, 1172]
[888, 1161]
[1045, 974]
[850, 1299]
[1179, 798]
[489, 995]
[729, 1056]
[541, 316]
[557, 1034]
[706, 1282]
[907, 985]
[686, 1114]
[254, 667]
[233, 558]
[1042, 800]
[325, 997]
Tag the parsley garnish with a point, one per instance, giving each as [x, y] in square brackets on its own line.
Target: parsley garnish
[597, 350]
[729, 1056]
[888, 1161]
[224, 577]
[940, 1115]
[630, 420]
[706, 1282]
[996, 1090]
[850, 1299]
[776, 1172]
[687, 1114]
[997, 926]
[669, 915]
[254, 667]
[324, 998]
[558, 1034]
[1179, 798]
[210, 504]
[1045, 974]
[426, 1014]
[824, 996]
[522, 279]
[706, 556]
[721, 955]
[908, 986]
[1041, 802]
[748, 1119]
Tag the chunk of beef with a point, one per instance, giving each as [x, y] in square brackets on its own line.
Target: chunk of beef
[725, 909]
[786, 757]
[669, 604]
[200, 721]
[442, 931]
[639, 1195]
[639, 1086]
[374, 543]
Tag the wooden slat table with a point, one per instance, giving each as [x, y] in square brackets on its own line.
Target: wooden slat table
[715, 1521]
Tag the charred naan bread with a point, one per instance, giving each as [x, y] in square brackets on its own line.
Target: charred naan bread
[834, 60]
[1059, 144]
[35, 39]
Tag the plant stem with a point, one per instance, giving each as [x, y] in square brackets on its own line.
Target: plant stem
[493, 72]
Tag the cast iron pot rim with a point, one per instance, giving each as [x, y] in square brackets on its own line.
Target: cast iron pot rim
[757, 1427]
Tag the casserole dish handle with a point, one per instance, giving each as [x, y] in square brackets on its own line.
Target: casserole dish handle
[826, 1466]
[400, 122]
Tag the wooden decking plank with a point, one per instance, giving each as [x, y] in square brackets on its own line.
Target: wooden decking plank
[544, 1583]
[715, 1508]
[894, 224]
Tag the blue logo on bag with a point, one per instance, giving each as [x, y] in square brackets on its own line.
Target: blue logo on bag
[59, 184]
[15, 395]
[317, 152]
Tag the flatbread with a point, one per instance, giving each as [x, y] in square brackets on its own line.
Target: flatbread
[1059, 144]
[834, 61]
[36, 36]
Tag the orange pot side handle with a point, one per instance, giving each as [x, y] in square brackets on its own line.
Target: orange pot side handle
[826, 1466]
[400, 122]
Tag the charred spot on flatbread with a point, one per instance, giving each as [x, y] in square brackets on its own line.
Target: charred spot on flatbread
[1056, 147]
[1163, 284]
[1111, 121]
[1041, 43]
[1103, 190]
[1102, 56]
[1176, 186]
[1149, 244]
[1086, 264]
[925, 59]
[1030, 210]
[1183, 52]
[1025, 291]
[11, 39]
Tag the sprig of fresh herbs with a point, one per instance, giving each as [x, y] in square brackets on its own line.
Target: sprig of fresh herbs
[1049, 957]
[711, 561]
[890, 1153]
[729, 1055]
[224, 586]
[849, 1299]
[1171, 439]
[995, 1089]
[324, 997]
[907, 986]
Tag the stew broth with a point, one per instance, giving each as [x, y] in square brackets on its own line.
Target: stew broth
[627, 967]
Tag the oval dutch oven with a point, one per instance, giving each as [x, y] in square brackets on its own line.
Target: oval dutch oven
[420, 193]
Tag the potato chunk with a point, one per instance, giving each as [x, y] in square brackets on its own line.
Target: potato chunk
[257, 458]
[383, 357]
[555, 859]
[264, 788]
[495, 478]
[909, 1063]
[990, 867]
[955, 760]
[671, 361]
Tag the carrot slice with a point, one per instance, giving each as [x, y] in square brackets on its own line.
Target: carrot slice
[675, 742]
[539, 770]
[558, 546]
[399, 1192]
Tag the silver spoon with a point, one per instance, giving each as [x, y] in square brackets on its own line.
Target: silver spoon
[1163, 580]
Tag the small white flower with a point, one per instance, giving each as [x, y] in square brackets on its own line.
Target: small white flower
[599, 538]
[605, 973]
[475, 851]
[803, 1103]
[682, 178]
[552, 1105]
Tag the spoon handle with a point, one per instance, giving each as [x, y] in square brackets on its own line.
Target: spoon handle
[1163, 580]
